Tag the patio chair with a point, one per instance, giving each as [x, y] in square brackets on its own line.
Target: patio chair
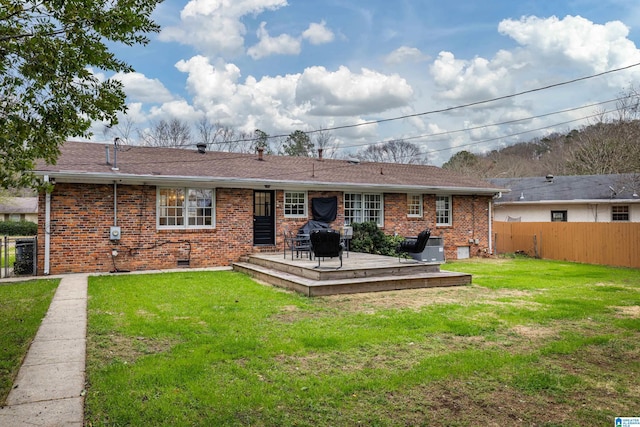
[326, 243]
[297, 243]
[413, 245]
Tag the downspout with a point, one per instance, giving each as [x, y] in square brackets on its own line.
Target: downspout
[490, 229]
[47, 228]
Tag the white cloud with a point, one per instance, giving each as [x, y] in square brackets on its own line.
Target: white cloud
[214, 27]
[179, 109]
[575, 39]
[283, 44]
[405, 54]
[549, 51]
[467, 81]
[318, 33]
[138, 87]
[292, 101]
[345, 93]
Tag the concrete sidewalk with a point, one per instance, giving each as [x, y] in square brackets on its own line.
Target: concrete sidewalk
[50, 385]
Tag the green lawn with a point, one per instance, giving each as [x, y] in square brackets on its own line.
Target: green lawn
[22, 307]
[531, 342]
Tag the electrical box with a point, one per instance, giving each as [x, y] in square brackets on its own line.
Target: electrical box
[433, 251]
[114, 233]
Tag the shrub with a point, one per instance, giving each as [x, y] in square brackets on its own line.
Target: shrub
[18, 228]
[368, 238]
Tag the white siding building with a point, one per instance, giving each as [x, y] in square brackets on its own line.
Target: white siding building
[580, 198]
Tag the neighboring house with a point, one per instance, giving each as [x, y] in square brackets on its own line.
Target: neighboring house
[140, 208]
[19, 209]
[580, 198]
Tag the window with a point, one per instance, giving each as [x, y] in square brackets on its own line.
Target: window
[414, 205]
[15, 217]
[443, 210]
[186, 208]
[619, 213]
[558, 216]
[295, 204]
[363, 208]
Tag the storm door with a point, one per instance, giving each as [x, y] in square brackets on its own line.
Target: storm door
[263, 218]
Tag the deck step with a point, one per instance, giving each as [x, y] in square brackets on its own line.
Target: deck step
[349, 285]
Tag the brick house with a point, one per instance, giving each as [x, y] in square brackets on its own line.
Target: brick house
[141, 208]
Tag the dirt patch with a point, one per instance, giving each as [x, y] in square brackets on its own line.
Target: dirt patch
[415, 299]
[534, 332]
[628, 312]
[114, 347]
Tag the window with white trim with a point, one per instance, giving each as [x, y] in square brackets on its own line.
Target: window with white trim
[295, 204]
[620, 213]
[363, 207]
[414, 205]
[185, 208]
[443, 210]
[558, 216]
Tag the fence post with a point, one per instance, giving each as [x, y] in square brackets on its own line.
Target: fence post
[34, 270]
[6, 257]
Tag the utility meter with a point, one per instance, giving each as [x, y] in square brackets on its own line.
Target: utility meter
[114, 233]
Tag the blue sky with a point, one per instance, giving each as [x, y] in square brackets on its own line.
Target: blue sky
[279, 66]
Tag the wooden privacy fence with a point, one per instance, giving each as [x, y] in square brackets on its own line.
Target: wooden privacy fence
[616, 244]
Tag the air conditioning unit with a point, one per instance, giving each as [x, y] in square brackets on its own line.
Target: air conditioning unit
[114, 233]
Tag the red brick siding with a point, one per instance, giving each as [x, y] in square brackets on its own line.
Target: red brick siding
[469, 221]
[81, 215]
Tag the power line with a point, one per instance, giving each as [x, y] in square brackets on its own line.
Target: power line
[442, 110]
[568, 110]
[472, 104]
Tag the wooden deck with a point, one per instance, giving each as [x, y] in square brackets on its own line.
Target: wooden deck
[359, 273]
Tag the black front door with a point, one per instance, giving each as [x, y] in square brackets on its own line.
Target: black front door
[263, 218]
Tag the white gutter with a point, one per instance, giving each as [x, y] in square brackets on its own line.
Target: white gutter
[490, 229]
[47, 228]
[567, 202]
[226, 182]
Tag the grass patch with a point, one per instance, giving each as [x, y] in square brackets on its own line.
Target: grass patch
[531, 342]
[22, 307]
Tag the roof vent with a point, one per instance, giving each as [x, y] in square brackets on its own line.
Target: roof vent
[353, 161]
[549, 178]
[202, 147]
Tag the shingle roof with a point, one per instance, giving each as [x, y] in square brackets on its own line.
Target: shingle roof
[566, 188]
[86, 162]
[16, 205]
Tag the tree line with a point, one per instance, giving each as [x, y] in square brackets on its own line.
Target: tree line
[178, 133]
[610, 144]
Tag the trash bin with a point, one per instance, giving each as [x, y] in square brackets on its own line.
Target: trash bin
[24, 256]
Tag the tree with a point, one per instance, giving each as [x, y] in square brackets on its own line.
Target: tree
[174, 133]
[223, 138]
[396, 151]
[261, 140]
[298, 143]
[123, 129]
[48, 91]
[324, 139]
[462, 162]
